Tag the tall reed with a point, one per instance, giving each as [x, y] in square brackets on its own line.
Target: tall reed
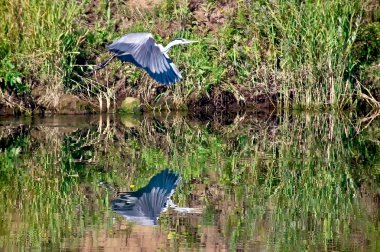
[299, 49]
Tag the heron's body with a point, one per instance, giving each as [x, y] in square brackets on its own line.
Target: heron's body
[141, 50]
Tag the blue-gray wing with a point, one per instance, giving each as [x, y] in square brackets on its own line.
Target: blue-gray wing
[146, 204]
[145, 209]
[141, 50]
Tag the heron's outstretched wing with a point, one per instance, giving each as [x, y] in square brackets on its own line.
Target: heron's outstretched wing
[141, 50]
[146, 204]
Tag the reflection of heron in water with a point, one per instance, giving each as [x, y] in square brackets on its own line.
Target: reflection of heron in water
[145, 205]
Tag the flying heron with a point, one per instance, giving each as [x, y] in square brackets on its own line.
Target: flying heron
[145, 205]
[141, 50]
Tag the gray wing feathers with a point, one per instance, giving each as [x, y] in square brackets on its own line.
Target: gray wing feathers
[151, 204]
[141, 50]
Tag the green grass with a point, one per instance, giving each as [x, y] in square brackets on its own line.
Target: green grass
[38, 38]
[303, 50]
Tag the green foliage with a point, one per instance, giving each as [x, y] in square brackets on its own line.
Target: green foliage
[11, 78]
[300, 49]
[303, 50]
[367, 44]
[37, 39]
[366, 55]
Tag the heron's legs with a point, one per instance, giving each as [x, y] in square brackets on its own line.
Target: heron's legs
[100, 66]
[104, 64]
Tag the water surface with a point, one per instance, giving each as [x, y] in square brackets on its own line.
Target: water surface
[269, 181]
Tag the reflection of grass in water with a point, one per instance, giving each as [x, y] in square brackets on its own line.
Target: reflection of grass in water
[302, 176]
[49, 196]
[289, 189]
[313, 199]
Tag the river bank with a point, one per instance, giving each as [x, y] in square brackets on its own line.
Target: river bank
[298, 55]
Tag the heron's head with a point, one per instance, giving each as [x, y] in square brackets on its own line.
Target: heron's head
[178, 41]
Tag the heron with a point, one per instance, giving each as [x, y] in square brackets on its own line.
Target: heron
[142, 50]
[145, 205]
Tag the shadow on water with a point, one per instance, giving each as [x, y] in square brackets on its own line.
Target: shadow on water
[274, 181]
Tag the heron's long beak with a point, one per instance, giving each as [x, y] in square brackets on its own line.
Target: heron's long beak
[191, 41]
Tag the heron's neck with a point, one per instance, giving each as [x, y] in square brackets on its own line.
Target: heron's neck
[168, 47]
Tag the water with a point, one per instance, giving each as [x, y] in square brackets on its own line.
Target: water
[263, 182]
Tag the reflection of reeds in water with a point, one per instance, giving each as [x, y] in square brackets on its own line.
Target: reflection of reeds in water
[291, 175]
[300, 170]
[281, 181]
